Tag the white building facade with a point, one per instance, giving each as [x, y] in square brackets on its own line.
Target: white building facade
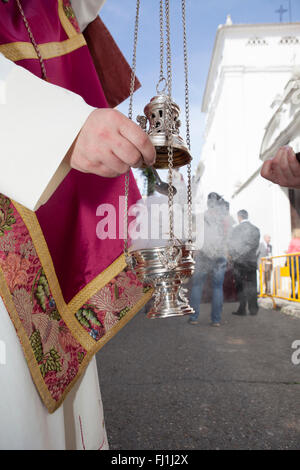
[252, 106]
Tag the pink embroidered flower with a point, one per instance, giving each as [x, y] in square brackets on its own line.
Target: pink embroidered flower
[14, 268]
[126, 279]
[57, 384]
[131, 276]
[23, 304]
[53, 384]
[109, 321]
[65, 339]
[105, 300]
[134, 294]
[49, 330]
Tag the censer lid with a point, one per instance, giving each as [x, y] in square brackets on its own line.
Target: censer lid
[158, 100]
[156, 124]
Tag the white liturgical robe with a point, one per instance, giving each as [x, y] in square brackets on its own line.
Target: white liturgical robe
[30, 126]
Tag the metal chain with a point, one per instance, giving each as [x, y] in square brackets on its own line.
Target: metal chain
[133, 66]
[168, 47]
[187, 120]
[162, 78]
[130, 115]
[161, 28]
[170, 125]
[31, 37]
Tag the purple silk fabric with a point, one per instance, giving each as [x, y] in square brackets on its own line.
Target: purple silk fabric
[68, 220]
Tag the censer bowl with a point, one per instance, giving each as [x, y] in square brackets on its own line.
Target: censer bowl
[181, 154]
[180, 158]
[170, 296]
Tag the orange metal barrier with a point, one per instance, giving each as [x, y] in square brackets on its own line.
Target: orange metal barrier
[279, 277]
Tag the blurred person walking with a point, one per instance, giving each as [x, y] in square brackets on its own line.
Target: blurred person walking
[212, 258]
[243, 247]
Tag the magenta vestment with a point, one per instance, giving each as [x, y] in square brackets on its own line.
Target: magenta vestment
[68, 219]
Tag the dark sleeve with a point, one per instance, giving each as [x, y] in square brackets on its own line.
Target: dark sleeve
[234, 242]
[252, 242]
[113, 70]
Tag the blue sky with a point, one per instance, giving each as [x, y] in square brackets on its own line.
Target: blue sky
[203, 18]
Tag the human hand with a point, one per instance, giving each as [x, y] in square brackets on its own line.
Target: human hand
[283, 169]
[109, 144]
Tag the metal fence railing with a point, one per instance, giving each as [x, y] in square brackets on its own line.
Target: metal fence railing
[279, 277]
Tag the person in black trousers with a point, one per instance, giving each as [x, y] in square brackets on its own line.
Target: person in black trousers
[243, 248]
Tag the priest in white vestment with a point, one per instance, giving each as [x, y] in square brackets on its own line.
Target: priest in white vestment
[34, 147]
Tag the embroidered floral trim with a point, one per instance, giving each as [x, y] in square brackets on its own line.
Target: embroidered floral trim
[6, 215]
[58, 354]
[110, 304]
[69, 12]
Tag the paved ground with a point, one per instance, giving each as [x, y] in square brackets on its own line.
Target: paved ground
[169, 385]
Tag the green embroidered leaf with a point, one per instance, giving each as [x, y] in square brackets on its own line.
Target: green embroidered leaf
[54, 354]
[42, 292]
[43, 369]
[43, 282]
[51, 362]
[40, 297]
[36, 344]
[2, 216]
[54, 315]
[90, 315]
[80, 356]
[6, 215]
[87, 317]
[123, 312]
[81, 318]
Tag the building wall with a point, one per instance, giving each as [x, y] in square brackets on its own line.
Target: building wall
[231, 149]
[269, 209]
[243, 82]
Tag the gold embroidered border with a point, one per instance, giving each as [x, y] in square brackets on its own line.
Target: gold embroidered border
[99, 344]
[15, 51]
[33, 366]
[65, 22]
[67, 311]
[25, 343]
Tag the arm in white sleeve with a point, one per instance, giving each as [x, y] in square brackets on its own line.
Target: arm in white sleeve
[38, 123]
[86, 11]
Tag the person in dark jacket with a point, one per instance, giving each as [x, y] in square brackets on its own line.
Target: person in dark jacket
[243, 247]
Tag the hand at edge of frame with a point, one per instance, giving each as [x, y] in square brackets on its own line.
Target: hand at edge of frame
[283, 169]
